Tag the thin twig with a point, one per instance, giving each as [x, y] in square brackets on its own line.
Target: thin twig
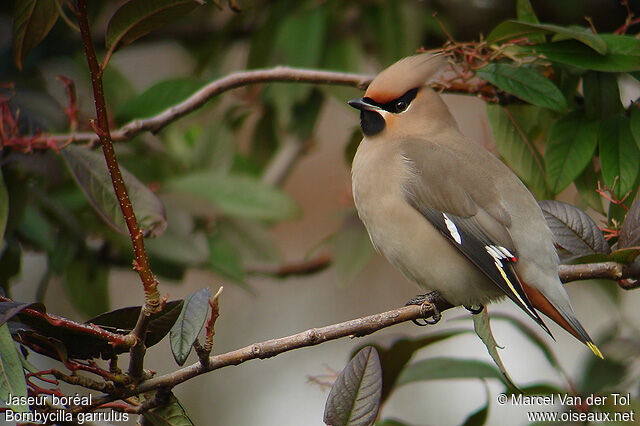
[141, 263]
[116, 340]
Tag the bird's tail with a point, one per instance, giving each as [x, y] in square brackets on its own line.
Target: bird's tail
[563, 316]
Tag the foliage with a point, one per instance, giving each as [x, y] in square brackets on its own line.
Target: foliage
[204, 201]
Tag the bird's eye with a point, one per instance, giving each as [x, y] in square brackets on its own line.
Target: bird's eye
[401, 106]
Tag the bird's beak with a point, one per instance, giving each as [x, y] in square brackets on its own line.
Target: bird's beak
[363, 105]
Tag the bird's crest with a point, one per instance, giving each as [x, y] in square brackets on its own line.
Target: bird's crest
[406, 74]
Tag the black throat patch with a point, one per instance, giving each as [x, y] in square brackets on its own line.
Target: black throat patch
[371, 122]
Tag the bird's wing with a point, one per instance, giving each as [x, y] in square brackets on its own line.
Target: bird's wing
[438, 189]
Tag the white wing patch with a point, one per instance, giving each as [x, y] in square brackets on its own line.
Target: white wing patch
[499, 253]
[453, 230]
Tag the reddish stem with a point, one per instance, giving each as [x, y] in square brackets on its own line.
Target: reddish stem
[152, 296]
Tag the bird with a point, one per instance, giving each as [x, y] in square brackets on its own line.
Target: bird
[446, 212]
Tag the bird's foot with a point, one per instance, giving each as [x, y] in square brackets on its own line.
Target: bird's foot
[475, 309]
[427, 303]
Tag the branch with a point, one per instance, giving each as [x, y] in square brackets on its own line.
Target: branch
[354, 328]
[238, 79]
[607, 270]
[117, 340]
[141, 263]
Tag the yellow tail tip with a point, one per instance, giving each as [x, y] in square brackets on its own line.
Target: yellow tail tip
[595, 350]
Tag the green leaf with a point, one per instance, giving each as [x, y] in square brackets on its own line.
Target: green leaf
[191, 320]
[447, 369]
[137, 18]
[390, 32]
[343, 54]
[538, 389]
[239, 196]
[18, 190]
[482, 328]
[518, 150]
[12, 381]
[619, 155]
[511, 29]
[305, 114]
[533, 337]
[253, 240]
[567, 81]
[4, 206]
[10, 263]
[36, 228]
[526, 84]
[225, 259]
[352, 249]
[352, 145]
[479, 417]
[624, 256]
[118, 86]
[601, 95]
[616, 212]
[623, 54]
[301, 37]
[65, 252]
[635, 124]
[354, 398]
[390, 422]
[265, 135]
[603, 374]
[32, 21]
[171, 414]
[88, 287]
[157, 98]
[587, 184]
[572, 142]
[525, 12]
[263, 42]
[185, 250]
[90, 172]
[214, 149]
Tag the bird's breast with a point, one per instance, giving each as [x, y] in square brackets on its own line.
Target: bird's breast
[403, 235]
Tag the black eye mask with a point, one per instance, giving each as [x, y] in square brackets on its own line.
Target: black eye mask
[397, 105]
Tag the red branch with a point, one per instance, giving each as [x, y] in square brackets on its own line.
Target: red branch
[153, 301]
[116, 340]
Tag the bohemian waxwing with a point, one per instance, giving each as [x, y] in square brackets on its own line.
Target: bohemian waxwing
[445, 211]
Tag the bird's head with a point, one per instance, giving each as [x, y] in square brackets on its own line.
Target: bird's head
[398, 102]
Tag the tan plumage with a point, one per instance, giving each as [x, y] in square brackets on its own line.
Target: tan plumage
[443, 210]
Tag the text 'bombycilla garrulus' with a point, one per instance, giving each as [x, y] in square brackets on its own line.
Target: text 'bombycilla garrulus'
[445, 211]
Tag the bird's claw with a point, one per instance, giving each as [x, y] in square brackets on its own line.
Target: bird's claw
[426, 302]
[475, 310]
